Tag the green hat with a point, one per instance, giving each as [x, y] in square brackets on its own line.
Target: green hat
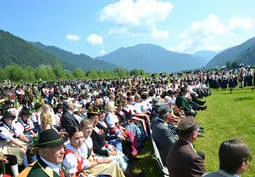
[49, 138]
[94, 110]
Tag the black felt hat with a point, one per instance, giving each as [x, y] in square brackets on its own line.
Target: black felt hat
[49, 138]
[37, 106]
[60, 105]
[25, 112]
[7, 114]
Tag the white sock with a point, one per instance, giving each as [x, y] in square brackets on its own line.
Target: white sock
[15, 170]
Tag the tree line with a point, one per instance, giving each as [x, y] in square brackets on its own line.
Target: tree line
[43, 72]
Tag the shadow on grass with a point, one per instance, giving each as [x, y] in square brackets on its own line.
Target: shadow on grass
[243, 98]
[234, 91]
[146, 164]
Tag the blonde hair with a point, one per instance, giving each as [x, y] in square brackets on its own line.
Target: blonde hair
[46, 120]
[85, 123]
[110, 107]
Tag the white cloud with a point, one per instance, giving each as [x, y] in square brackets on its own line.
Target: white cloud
[136, 12]
[95, 39]
[118, 31]
[239, 23]
[183, 35]
[159, 34]
[209, 26]
[212, 34]
[72, 37]
[137, 16]
[101, 52]
[182, 47]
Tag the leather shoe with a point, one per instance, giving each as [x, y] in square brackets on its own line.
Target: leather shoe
[203, 107]
[130, 173]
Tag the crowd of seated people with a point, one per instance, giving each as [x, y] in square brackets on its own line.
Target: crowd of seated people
[117, 113]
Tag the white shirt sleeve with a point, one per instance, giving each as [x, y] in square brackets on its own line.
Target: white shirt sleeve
[18, 129]
[83, 151]
[5, 134]
[31, 124]
[70, 163]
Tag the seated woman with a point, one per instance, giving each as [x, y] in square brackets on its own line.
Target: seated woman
[125, 137]
[99, 136]
[46, 121]
[79, 159]
[125, 119]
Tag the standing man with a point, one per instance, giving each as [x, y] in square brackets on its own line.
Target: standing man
[182, 158]
[234, 155]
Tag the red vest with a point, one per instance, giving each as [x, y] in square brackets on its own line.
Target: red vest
[79, 162]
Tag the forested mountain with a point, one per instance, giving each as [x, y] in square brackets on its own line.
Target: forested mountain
[243, 53]
[82, 61]
[153, 58]
[14, 50]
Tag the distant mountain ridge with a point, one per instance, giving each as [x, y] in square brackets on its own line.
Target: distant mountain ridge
[149, 57]
[15, 50]
[82, 61]
[153, 58]
[243, 53]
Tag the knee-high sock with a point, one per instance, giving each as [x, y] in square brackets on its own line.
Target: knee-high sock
[15, 170]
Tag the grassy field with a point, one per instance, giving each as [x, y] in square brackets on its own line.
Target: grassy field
[227, 116]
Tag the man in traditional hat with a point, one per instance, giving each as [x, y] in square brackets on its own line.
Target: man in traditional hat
[154, 107]
[162, 134]
[182, 159]
[24, 126]
[51, 154]
[8, 142]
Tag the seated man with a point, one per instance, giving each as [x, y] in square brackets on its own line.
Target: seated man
[25, 126]
[183, 103]
[182, 159]
[163, 134]
[234, 155]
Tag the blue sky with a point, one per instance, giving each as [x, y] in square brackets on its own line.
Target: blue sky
[97, 27]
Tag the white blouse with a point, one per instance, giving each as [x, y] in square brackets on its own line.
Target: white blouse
[111, 119]
[70, 160]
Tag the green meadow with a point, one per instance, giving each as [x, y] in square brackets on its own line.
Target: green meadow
[229, 115]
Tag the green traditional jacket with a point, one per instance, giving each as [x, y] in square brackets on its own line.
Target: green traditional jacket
[40, 169]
